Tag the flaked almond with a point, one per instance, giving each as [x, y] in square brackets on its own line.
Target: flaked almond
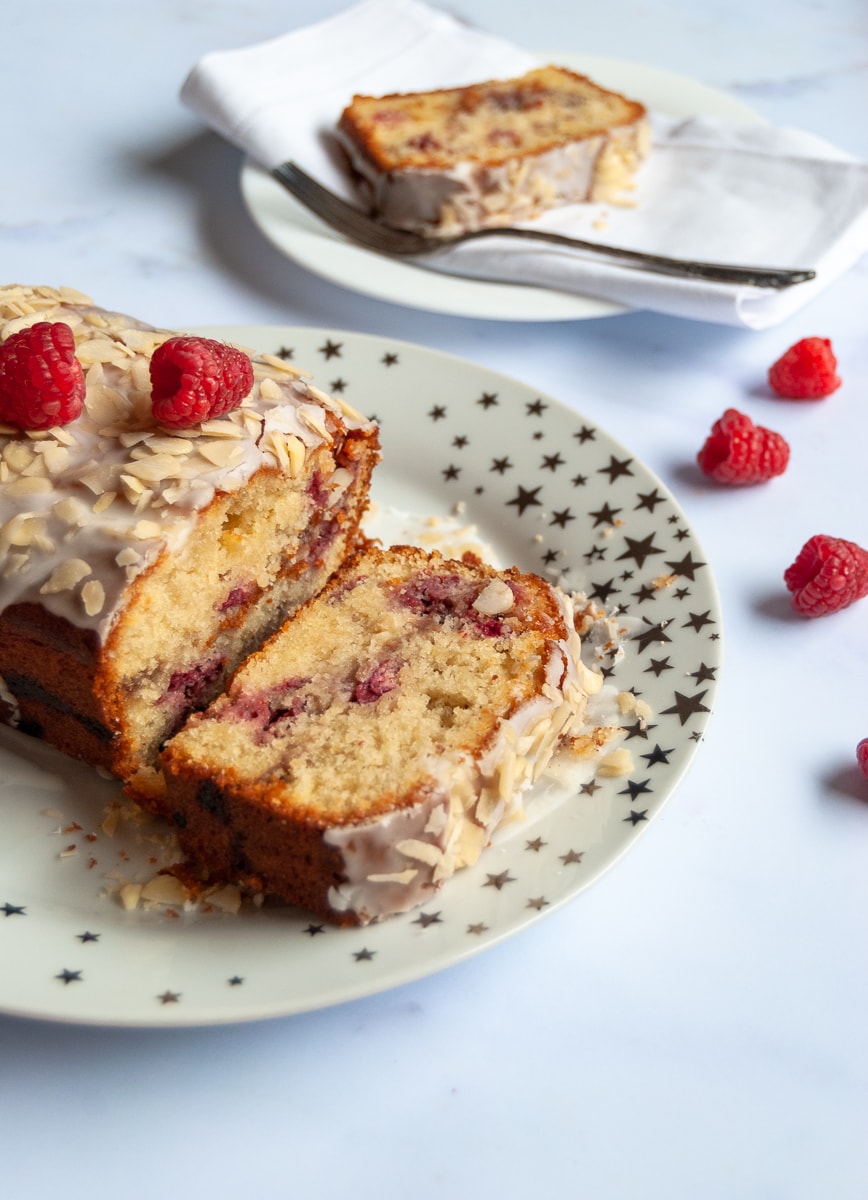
[164, 889]
[93, 597]
[495, 598]
[66, 576]
[130, 894]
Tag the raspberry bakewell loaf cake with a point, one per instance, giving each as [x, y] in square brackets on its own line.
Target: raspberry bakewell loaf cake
[370, 748]
[459, 159]
[140, 564]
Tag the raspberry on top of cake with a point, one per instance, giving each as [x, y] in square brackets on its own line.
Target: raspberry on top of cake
[493, 153]
[140, 560]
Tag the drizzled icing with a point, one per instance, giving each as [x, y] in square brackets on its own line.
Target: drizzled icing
[86, 507]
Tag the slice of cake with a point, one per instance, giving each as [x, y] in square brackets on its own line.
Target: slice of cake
[371, 747]
[140, 563]
[458, 159]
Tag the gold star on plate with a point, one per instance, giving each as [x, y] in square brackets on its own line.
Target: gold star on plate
[539, 903]
[477, 929]
[364, 955]
[498, 881]
[572, 856]
[168, 997]
[426, 919]
[537, 844]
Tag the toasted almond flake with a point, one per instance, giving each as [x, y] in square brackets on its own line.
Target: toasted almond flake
[164, 889]
[21, 529]
[281, 365]
[145, 500]
[70, 511]
[618, 762]
[165, 445]
[422, 851]
[94, 480]
[68, 852]
[297, 452]
[128, 557]
[70, 295]
[270, 390]
[348, 411]
[403, 877]
[152, 469]
[227, 899]
[56, 458]
[495, 598]
[18, 456]
[66, 576]
[93, 597]
[146, 529]
[222, 428]
[130, 894]
[314, 419]
[37, 467]
[222, 454]
[103, 502]
[26, 485]
[132, 437]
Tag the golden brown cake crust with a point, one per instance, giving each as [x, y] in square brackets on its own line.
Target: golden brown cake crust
[487, 122]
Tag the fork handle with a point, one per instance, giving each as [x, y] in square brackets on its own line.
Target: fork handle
[763, 277]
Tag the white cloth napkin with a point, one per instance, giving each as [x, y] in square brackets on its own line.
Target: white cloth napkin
[749, 194]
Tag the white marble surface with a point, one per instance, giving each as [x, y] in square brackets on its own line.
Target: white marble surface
[693, 1025]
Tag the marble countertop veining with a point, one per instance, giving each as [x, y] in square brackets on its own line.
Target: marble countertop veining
[694, 1024]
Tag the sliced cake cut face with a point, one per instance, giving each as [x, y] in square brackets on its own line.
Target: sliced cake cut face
[494, 153]
[140, 564]
[375, 742]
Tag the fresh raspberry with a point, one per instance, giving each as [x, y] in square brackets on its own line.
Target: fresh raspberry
[828, 575]
[807, 371]
[194, 378]
[737, 451]
[41, 380]
[862, 755]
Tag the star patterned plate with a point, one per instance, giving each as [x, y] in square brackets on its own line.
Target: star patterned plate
[544, 488]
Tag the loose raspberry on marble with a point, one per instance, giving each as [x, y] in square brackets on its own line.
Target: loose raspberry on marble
[739, 452]
[194, 378]
[807, 371]
[41, 381]
[862, 756]
[829, 574]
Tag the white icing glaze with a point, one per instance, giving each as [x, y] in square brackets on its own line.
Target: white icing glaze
[112, 490]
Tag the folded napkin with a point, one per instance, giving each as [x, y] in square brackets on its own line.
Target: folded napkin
[710, 190]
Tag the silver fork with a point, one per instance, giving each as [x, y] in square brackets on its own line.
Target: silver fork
[399, 243]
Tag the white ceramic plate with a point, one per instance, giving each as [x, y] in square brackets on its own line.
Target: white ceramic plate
[300, 236]
[548, 490]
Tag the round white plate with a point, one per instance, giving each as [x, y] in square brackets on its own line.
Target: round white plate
[299, 235]
[548, 490]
